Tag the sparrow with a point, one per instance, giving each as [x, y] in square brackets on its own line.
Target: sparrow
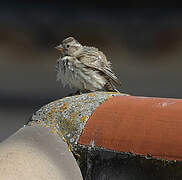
[84, 68]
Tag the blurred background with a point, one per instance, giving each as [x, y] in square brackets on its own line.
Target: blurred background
[143, 44]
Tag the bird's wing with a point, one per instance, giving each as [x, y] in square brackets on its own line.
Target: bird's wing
[97, 62]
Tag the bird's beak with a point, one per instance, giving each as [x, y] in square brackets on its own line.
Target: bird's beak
[59, 48]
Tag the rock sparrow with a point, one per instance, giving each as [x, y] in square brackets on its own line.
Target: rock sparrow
[84, 68]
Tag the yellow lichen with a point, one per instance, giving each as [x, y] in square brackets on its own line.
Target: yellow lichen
[64, 107]
[73, 116]
[91, 94]
[53, 131]
[77, 155]
[69, 147]
[83, 118]
[52, 110]
[53, 120]
[113, 93]
[60, 134]
[52, 125]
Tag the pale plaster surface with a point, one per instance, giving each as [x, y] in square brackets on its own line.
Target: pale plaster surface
[35, 153]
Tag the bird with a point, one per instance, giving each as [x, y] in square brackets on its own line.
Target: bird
[84, 68]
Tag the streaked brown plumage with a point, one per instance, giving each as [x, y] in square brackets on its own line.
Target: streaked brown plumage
[85, 68]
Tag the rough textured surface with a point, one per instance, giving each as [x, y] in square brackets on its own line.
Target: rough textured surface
[68, 116]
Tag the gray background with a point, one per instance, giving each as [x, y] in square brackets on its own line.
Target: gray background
[144, 45]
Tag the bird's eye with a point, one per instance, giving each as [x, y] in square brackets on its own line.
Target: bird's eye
[67, 45]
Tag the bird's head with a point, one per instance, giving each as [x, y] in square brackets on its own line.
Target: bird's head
[70, 47]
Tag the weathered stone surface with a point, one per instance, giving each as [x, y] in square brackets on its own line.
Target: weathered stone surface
[68, 116]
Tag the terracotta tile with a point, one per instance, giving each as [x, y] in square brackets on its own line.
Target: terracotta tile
[139, 125]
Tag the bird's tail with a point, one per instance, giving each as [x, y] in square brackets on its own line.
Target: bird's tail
[110, 87]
